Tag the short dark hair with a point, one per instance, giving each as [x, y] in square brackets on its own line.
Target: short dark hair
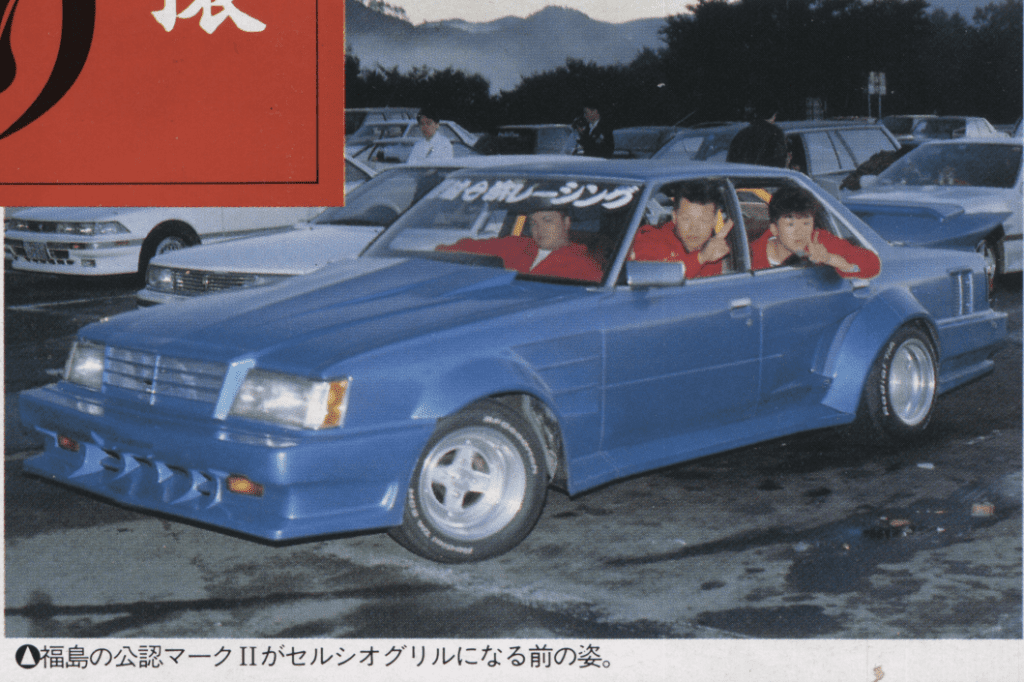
[428, 112]
[791, 200]
[697, 192]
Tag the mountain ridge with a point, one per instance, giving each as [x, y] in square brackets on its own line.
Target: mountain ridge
[504, 50]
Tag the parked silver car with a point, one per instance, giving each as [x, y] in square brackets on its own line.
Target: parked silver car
[825, 150]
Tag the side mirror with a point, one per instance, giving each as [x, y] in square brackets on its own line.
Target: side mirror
[868, 181]
[650, 274]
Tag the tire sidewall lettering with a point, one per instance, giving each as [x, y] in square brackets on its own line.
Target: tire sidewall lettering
[511, 430]
[883, 383]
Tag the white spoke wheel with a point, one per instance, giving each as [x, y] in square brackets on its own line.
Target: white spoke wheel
[170, 243]
[900, 391]
[478, 488]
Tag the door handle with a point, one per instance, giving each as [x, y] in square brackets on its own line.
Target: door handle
[739, 303]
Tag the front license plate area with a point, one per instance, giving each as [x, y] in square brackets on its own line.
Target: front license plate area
[36, 251]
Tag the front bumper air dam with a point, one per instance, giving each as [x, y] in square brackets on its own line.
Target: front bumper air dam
[313, 484]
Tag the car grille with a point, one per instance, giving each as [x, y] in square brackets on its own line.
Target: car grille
[196, 282]
[55, 256]
[150, 375]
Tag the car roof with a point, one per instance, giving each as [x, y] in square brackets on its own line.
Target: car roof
[533, 126]
[640, 170]
[975, 140]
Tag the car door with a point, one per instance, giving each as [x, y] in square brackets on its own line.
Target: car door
[681, 366]
[801, 308]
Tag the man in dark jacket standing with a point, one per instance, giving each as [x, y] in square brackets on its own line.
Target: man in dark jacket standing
[594, 135]
[761, 143]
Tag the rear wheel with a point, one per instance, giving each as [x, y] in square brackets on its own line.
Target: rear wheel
[900, 390]
[989, 250]
[478, 488]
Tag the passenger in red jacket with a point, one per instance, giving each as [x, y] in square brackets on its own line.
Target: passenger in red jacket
[547, 252]
[792, 236]
[696, 235]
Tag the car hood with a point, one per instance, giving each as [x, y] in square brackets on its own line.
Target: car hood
[296, 252]
[305, 325]
[77, 213]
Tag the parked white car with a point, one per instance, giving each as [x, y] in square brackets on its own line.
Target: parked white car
[116, 241]
[959, 194]
[336, 234]
[409, 128]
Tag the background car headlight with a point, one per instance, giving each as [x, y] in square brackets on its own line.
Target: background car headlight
[85, 365]
[291, 400]
[93, 229]
[264, 280]
[160, 278]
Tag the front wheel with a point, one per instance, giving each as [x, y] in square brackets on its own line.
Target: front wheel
[478, 488]
[900, 391]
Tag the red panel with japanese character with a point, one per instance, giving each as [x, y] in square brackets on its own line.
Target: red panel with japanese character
[179, 102]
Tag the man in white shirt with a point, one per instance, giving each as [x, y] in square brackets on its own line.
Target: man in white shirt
[433, 147]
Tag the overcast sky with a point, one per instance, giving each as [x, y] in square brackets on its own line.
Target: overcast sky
[615, 11]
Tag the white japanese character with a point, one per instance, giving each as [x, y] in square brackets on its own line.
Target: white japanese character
[209, 21]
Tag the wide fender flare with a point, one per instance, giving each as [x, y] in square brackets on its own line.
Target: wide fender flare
[480, 378]
[861, 339]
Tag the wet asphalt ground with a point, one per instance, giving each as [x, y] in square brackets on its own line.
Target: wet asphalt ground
[818, 536]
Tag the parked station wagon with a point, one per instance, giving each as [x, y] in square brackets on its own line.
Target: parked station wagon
[438, 395]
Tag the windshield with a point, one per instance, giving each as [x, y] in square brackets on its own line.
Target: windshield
[640, 144]
[355, 174]
[974, 165]
[899, 125]
[543, 140]
[701, 144]
[381, 200]
[377, 131]
[940, 128]
[563, 229]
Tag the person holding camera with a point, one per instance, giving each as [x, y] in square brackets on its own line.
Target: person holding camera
[595, 137]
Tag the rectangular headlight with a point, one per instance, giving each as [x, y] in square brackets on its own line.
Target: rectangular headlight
[85, 365]
[161, 279]
[291, 400]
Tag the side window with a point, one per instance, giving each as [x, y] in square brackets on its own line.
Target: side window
[846, 161]
[865, 143]
[821, 155]
[660, 239]
[754, 196]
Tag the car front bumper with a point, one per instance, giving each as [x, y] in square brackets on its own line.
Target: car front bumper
[34, 252]
[312, 484]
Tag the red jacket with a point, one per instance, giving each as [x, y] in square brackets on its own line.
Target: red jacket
[865, 260]
[662, 244]
[572, 261]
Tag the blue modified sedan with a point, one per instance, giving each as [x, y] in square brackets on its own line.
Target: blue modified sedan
[439, 385]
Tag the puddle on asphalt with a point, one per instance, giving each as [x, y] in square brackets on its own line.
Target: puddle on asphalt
[841, 557]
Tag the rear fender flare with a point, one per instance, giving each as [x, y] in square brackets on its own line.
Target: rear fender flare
[854, 350]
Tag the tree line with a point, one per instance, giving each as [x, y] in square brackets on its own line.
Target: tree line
[722, 58]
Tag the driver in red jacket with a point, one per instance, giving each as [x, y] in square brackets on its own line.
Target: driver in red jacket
[548, 252]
